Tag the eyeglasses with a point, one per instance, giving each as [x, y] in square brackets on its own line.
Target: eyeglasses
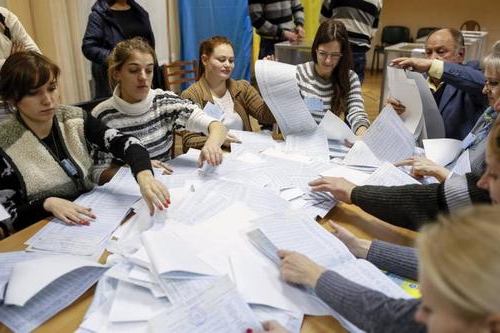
[324, 55]
[489, 84]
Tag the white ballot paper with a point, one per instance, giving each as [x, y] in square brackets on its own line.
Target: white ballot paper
[4, 215]
[336, 129]
[218, 309]
[442, 151]
[29, 277]
[406, 91]
[50, 300]
[172, 257]
[278, 86]
[434, 125]
[388, 138]
[389, 175]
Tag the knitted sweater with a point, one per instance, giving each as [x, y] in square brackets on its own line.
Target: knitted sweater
[410, 206]
[368, 309]
[361, 18]
[247, 102]
[152, 120]
[31, 170]
[313, 85]
[270, 18]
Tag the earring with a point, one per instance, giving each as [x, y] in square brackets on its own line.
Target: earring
[11, 108]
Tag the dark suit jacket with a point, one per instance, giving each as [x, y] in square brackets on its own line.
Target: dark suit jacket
[462, 101]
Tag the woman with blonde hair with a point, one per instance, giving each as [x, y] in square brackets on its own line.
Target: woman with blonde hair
[152, 115]
[461, 256]
[459, 273]
[237, 100]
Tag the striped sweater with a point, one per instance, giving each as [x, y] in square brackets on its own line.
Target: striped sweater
[152, 120]
[360, 18]
[270, 18]
[313, 85]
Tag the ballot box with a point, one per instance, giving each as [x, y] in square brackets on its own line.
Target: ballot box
[293, 53]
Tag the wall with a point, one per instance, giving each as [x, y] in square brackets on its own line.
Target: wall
[444, 13]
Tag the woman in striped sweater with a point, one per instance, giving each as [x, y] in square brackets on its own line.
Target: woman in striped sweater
[327, 83]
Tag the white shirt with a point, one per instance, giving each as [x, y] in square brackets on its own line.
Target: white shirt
[231, 120]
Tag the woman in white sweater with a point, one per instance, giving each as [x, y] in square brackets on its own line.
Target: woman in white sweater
[153, 116]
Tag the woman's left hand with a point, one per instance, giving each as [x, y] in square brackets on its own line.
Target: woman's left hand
[153, 191]
[167, 169]
[297, 268]
[210, 153]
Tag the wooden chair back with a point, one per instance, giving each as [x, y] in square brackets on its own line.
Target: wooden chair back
[179, 72]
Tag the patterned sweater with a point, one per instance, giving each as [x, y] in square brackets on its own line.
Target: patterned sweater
[31, 169]
[270, 18]
[313, 85]
[152, 120]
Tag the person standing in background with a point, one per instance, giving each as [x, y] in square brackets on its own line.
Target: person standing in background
[276, 21]
[13, 38]
[361, 19]
[110, 22]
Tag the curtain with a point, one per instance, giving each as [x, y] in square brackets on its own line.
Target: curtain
[201, 19]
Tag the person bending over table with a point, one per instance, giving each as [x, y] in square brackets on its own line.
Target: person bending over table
[410, 206]
[458, 270]
[153, 116]
[327, 83]
[45, 148]
[236, 99]
[475, 141]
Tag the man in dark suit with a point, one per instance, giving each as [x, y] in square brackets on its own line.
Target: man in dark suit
[456, 87]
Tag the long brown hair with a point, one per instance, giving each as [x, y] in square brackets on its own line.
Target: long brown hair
[329, 31]
[207, 48]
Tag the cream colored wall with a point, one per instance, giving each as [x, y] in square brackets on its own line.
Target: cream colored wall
[443, 13]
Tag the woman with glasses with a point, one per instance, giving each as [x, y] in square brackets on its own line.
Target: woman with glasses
[327, 83]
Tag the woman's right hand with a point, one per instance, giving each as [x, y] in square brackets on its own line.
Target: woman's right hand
[359, 247]
[68, 212]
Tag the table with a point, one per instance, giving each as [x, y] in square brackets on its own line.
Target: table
[352, 217]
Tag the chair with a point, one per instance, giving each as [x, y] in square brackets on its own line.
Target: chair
[426, 31]
[470, 25]
[391, 34]
[179, 72]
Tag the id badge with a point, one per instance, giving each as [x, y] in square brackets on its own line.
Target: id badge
[468, 141]
[213, 111]
[69, 167]
[313, 103]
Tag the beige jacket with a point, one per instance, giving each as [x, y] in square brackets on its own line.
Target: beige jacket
[247, 101]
